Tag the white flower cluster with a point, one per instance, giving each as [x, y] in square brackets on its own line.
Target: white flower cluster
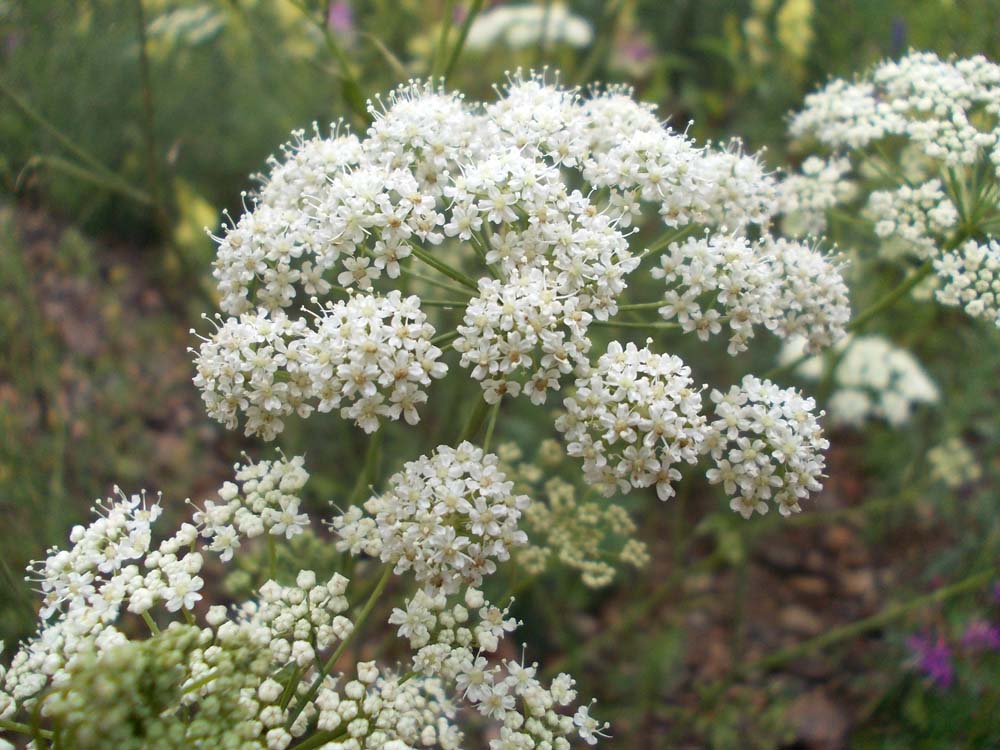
[785, 286]
[932, 102]
[372, 352]
[521, 26]
[913, 219]
[522, 335]
[379, 710]
[972, 279]
[804, 198]
[924, 135]
[450, 646]
[953, 463]
[266, 501]
[633, 419]
[297, 621]
[767, 445]
[436, 174]
[566, 525]
[873, 379]
[448, 517]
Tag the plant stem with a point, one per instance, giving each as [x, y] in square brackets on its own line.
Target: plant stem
[25, 109]
[272, 557]
[642, 306]
[319, 739]
[475, 420]
[438, 61]
[444, 338]
[367, 476]
[490, 425]
[359, 621]
[892, 297]
[148, 116]
[150, 623]
[877, 620]
[654, 324]
[444, 268]
[435, 282]
[16, 726]
[463, 34]
[103, 178]
[443, 303]
[667, 239]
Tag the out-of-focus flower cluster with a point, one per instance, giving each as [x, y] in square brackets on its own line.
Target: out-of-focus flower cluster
[872, 379]
[566, 524]
[918, 141]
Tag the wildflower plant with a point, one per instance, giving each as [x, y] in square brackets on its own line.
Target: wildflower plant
[528, 216]
[913, 146]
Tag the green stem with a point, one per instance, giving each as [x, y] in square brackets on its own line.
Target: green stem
[599, 49]
[442, 267]
[272, 557]
[438, 60]
[444, 338]
[443, 303]
[150, 623]
[475, 420]
[25, 109]
[667, 239]
[887, 615]
[642, 306]
[436, 282]
[367, 476]
[349, 81]
[861, 320]
[463, 34]
[201, 682]
[16, 726]
[359, 621]
[148, 112]
[491, 425]
[892, 297]
[104, 179]
[319, 739]
[655, 324]
[543, 36]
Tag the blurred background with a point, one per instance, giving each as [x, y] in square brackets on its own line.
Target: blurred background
[127, 126]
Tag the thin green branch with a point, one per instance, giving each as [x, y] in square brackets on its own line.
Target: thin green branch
[667, 239]
[444, 338]
[444, 268]
[642, 306]
[368, 473]
[101, 178]
[658, 325]
[475, 420]
[463, 34]
[491, 425]
[443, 303]
[437, 62]
[25, 109]
[887, 615]
[16, 726]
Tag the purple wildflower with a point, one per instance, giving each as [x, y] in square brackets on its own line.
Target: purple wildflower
[933, 658]
[981, 635]
[339, 17]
